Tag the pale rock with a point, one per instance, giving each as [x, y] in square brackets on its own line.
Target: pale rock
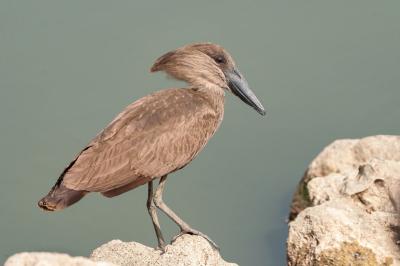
[187, 250]
[376, 186]
[50, 259]
[344, 157]
[354, 220]
[339, 233]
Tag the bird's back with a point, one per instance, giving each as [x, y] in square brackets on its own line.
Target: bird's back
[152, 137]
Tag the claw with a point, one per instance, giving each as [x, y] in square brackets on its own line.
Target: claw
[198, 233]
[178, 235]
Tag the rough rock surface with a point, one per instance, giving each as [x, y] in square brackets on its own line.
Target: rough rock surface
[354, 220]
[50, 259]
[187, 250]
[344, 156]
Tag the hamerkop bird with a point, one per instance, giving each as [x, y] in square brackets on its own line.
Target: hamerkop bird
[156, 135]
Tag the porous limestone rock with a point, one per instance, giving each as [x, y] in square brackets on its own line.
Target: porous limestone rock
[50, 259]
[354, 220]
[344, 156]
[187, 250]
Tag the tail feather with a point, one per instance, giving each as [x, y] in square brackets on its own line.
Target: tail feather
[61, 197]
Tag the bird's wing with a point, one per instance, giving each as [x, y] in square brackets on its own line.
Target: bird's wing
[154, 136]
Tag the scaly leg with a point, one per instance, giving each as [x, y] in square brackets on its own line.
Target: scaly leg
[151, 207]
[185, 228]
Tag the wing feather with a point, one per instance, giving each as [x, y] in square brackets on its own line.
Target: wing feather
[154, 136]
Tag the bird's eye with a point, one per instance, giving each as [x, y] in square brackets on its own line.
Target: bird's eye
[219, 60]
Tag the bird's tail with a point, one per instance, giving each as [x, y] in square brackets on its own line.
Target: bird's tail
[61, 197]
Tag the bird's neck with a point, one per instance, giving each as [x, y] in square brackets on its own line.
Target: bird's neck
[216, 96]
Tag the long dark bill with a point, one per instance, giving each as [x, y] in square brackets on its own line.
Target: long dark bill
[241, 89]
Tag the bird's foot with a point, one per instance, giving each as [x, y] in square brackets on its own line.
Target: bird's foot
[191, 231]
[163, 249]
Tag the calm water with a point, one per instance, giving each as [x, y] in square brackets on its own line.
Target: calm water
[323, 71]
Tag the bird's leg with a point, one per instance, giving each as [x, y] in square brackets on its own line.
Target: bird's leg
[185, 228]
[151, 207]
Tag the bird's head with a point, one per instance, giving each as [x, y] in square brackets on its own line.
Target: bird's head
[202, 63]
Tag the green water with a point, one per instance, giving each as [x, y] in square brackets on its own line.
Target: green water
[324, 70]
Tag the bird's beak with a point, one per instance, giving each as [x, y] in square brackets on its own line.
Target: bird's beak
[241, 89]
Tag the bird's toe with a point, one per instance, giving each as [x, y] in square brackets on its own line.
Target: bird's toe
[198, 233]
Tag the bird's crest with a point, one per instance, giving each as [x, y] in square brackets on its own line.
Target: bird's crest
[195, 64]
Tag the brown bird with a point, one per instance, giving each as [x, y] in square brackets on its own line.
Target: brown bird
[156, 135]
